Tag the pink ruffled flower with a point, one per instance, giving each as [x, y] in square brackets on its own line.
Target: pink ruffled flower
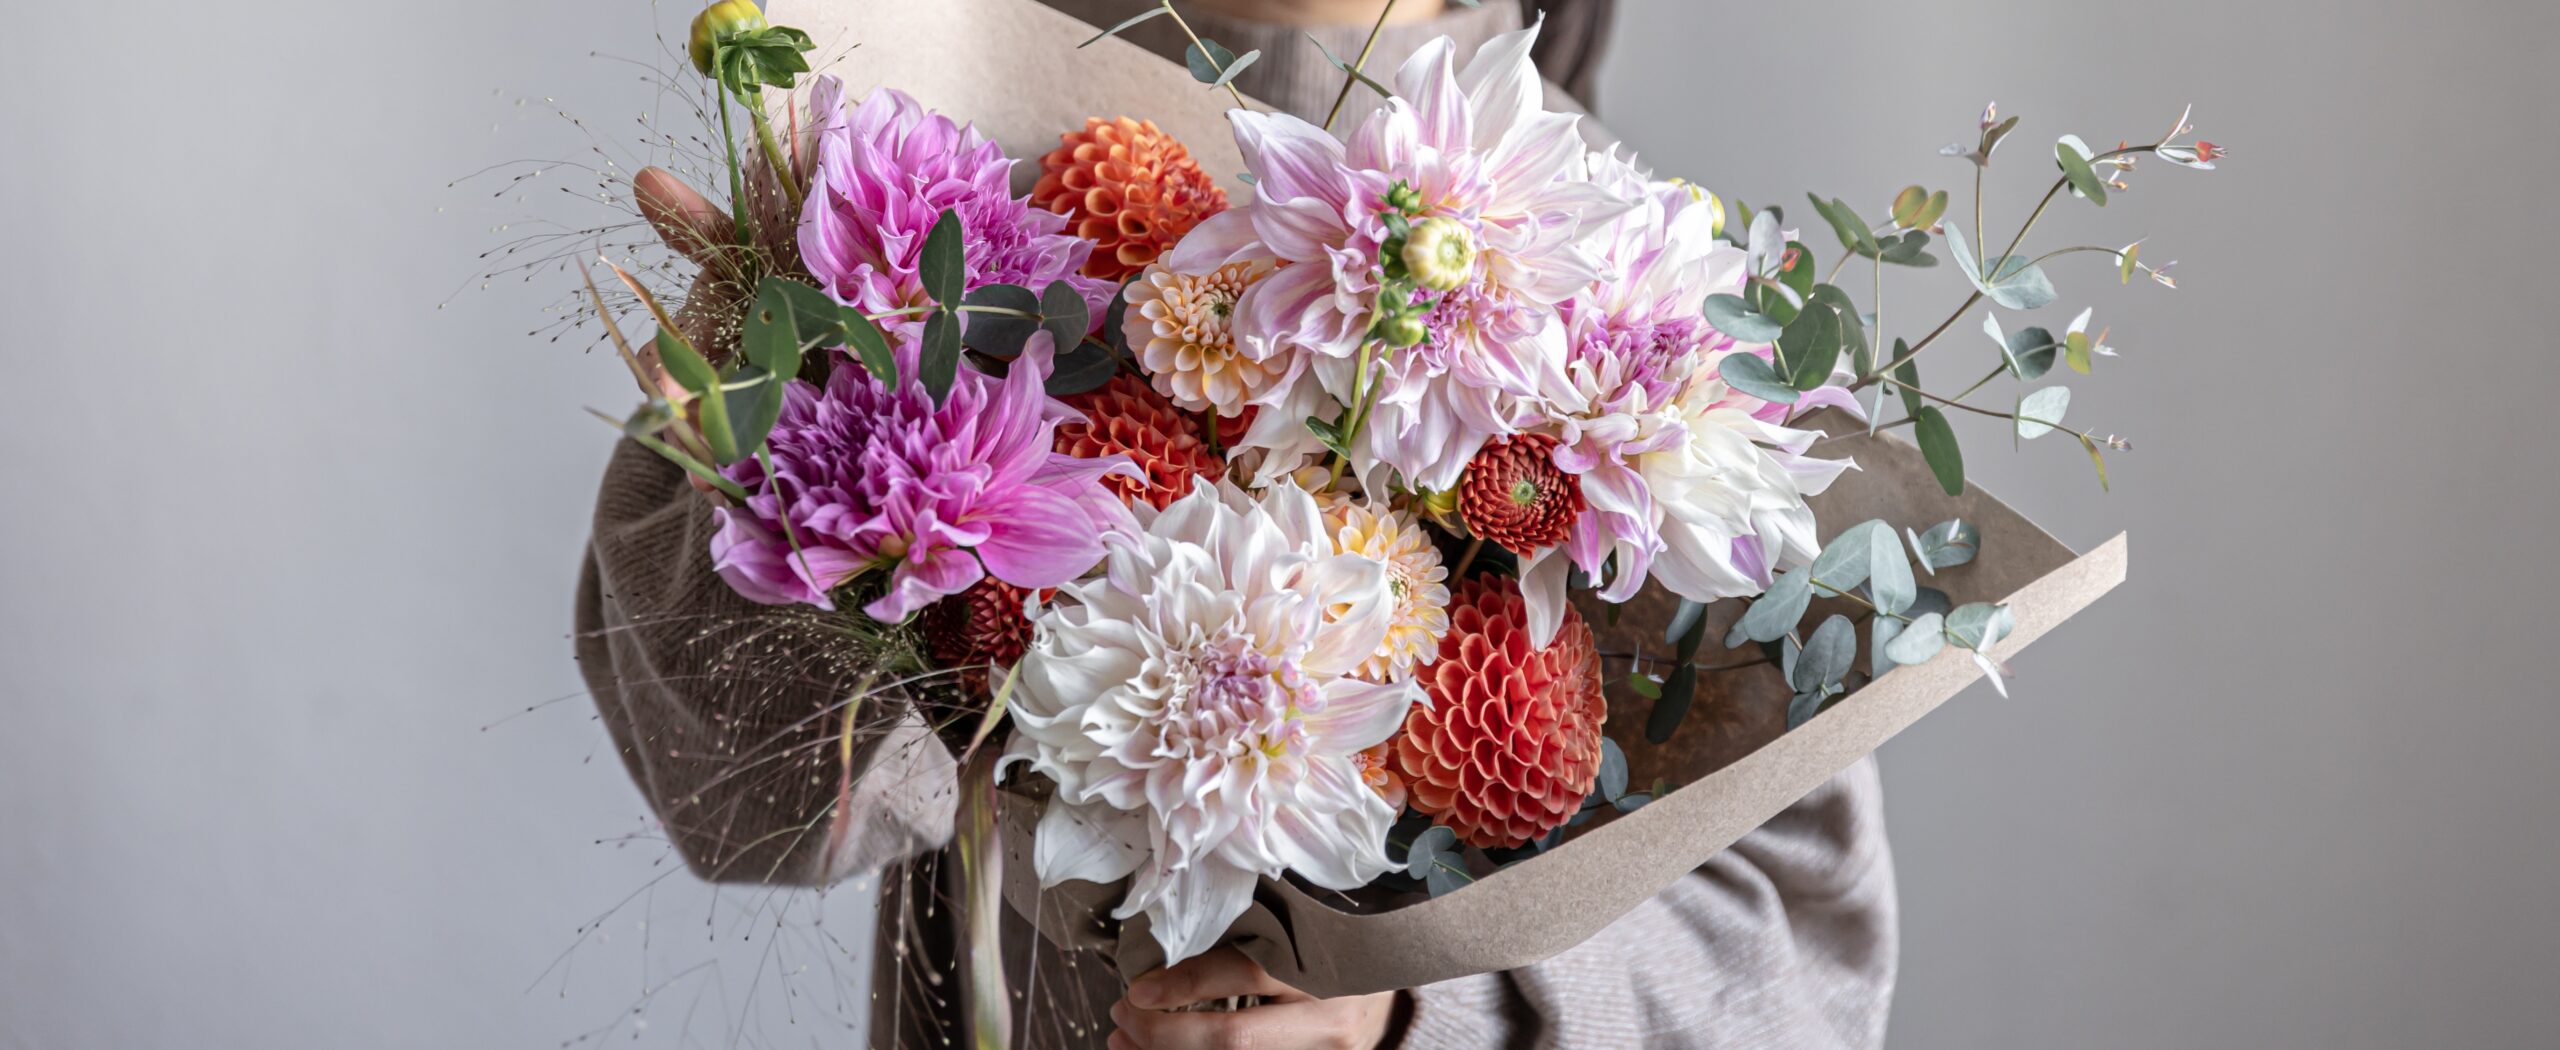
[941, 496]
[1481, 152]
[886, 171]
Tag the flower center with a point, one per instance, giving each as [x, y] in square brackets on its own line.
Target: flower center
[1440, 253]
[1524, 492]
[1231, 699]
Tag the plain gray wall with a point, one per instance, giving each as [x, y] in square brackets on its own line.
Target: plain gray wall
[284, 536]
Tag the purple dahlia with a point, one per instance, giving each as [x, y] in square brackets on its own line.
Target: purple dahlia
[886, 171]
[874, 477]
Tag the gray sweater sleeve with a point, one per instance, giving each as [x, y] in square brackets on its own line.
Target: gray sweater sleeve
[1787, 939]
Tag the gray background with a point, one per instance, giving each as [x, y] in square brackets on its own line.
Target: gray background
[284, 536]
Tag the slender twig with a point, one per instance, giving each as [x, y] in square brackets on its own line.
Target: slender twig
[1888, 367]
[1358, 64]
[1204, 51]
[1467, 557]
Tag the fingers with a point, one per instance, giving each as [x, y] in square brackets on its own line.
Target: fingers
[685, 219]
[1213, 975]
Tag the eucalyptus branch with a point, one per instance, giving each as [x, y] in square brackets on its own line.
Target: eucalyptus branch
[1358, 64]
[1887, 368]
[1995, 414]
[1204, 50]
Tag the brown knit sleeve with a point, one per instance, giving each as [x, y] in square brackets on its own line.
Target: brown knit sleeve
[731, 716]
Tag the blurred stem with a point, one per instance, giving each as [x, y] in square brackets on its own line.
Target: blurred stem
[982, 914]
[1358, 64]
[737, 175]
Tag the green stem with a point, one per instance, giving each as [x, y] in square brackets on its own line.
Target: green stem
[1358, 64]
[773, 154]
[737, 177]
[1888, 367]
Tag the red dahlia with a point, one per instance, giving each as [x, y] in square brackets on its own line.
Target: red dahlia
[1127, 416]
[1514, 495]
[978, 626]
[1510, 744]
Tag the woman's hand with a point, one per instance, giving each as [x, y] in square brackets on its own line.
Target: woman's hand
[1148, 1018]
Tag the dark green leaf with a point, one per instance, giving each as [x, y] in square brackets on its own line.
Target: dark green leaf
[1001, 335]
[939, 362]
[754, 399]
[1938, 445]
[770, 340]
[1730, 315]
[1845, 224]
[1085, 368]
[1678, 692]
[1328, 433]
[873, 348]
[1750, 373]
[943, 266]
[1798, 274]
[1064, 316]
[1906, 378]
[1810, 347]
[685, 366]
[1688, 619]
[1911, 249]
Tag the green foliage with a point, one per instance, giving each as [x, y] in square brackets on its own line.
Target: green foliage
[2073, 157]
[1212, 64]
[1064, 316]
[943, 265]
[1734, 317]
[1809, 347]
[1774, 613]
[1918, 209]
[1946, 545]
[1007, 314]
[1853, 231]
[2041, 411]
[1753, 375]
[938, 363]
[1938, 445]
[2015, 282]
[1679, 692]
[1126, 23]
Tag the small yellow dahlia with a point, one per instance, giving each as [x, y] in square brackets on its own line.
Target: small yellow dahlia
[1415, 577]
[1179, 325]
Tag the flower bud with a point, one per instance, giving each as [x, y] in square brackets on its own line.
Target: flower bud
[1404, 198]
[1402, 330]
[718, 22]
[1439, 253]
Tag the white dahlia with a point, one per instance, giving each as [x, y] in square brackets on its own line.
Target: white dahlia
[1196, 707]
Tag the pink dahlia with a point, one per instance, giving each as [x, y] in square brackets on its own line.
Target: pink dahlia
[1500, 184]
[874, 477]
[1686, 480]
[886, 171]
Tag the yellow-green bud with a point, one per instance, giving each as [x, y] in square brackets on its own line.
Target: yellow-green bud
[1402, 330]
[718, 22]
[1404, 198]
[1439, 253]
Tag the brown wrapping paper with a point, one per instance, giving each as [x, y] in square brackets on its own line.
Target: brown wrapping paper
[1012, 68]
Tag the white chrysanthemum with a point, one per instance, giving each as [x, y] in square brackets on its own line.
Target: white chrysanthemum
[1195, 705]
[1731, 498]
[1415, 577]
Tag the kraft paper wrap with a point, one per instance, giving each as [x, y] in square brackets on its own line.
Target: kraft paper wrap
[1012, 68]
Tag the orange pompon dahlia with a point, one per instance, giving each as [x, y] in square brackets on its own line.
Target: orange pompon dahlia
[1125, 416]
[1514, 494]
[981, 625]
[1510, 743]
[1129, 188]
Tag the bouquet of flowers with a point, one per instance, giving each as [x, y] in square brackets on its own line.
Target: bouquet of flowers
[1253, 504]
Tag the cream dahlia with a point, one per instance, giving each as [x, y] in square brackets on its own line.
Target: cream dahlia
[1181, 327]
[1415, 577]
[1196, 707]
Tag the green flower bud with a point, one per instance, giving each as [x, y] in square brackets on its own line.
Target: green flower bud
[717, 23]
[1404, 198]
[1440, 254]
[1402, 330]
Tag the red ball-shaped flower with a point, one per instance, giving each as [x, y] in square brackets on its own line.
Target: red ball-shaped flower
[1126, 416]
[1515, 495]
[1129, 188]
[978, 626]
[1510, 743]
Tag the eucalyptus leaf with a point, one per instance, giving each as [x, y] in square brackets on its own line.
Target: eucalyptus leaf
[1207, 59]
[1125, 23]
[1805, 705]
[943, 265]
[1845, 223]
[2028, 351]
[1889, 581]
[1686, 620]
[1613, 770]
[2014, 281]
[1810, 347]
[872, 349]
[1881, 634]
[1730, 315]
[2073, 157]
[1828, 654]
[1081, 369]
[1064, 316]
[1775, 613]
[1938, 445]
[754, 402]
[1843, 564]
[1000, 335]
[1235, 67]
[1918, 641]
[770, 339]
[1979, 625]
[1946, 545]
[1754, 375]
[2041, 410]
[938, 364]
[1679, 691]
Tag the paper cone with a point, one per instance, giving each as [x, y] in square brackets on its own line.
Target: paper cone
[1012, 68]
